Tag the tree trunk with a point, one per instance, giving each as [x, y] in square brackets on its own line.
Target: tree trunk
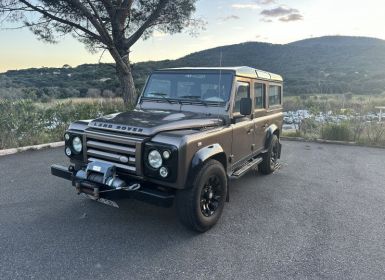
[127, 84]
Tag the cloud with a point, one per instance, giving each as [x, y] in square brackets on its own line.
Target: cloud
[278, 12]
[230, 17]
[291, 17]
[245, 6]
[285, 14]
[266, 20]
[265, 2]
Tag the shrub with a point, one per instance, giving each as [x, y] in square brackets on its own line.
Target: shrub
[23, 122]
[94, 92]
[340, 132]
[376, 133]
[292, 134]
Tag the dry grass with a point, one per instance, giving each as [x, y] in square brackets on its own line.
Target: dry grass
[24, 123]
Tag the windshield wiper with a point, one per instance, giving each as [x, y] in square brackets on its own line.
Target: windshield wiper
[160, 94]
[195, 98]
[190, 96]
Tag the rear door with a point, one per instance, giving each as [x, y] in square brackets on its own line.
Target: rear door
[274, 104]
[260, 110]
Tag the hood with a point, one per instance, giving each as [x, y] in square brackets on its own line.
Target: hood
[151, 122]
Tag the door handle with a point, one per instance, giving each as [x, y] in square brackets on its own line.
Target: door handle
[265, 125]
[251, 130]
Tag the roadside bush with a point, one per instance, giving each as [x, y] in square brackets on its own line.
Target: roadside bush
[23, 122]
[375, 133]
[339, 132]
[308, 127]
[292, 134]
[94, 93]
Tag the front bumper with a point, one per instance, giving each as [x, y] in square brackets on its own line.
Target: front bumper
[102, 193]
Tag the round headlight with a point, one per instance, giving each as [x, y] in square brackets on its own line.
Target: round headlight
[77, 144]
[155, 159]
[163, 172]
[66, 136]
[166, 154]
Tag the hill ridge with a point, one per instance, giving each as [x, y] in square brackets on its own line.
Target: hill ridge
[329, 64]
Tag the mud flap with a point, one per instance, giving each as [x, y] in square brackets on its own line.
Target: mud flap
[279, 148]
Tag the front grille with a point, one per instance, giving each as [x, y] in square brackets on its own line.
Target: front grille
[122, 151]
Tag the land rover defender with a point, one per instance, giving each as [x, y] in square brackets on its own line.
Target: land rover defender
[193, 131]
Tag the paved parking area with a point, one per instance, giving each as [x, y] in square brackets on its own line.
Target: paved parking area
[320, 216]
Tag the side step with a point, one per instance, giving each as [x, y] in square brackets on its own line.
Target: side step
[243, 170]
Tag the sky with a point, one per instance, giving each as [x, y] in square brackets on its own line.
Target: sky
[227, 22]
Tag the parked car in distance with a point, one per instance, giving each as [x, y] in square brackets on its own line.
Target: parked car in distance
[193, 131]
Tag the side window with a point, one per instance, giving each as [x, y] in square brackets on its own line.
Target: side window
[243, 90]
[259, 95]
[274, 95]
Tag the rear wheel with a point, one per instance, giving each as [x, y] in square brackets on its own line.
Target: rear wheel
[270, 158]
[200, 206]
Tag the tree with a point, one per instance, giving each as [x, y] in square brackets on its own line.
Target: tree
[112, 25]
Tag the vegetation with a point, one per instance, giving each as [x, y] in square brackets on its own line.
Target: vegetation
[340, 132]
[113, 26]
[23, 122]
[336, 103]
[361, 127]
[327, 65]
[347, 74]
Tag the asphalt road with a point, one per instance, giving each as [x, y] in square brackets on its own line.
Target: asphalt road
[321, 216]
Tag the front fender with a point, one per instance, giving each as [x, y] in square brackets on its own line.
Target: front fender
[201, 157]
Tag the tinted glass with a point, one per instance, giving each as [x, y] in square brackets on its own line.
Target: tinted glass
[274, 95]
[159, 84]
[212, 87]
[259, 95]
[243, 91]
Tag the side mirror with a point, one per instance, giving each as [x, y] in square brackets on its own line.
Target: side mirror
[245, 109]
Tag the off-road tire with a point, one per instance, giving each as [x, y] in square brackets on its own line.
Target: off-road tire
[192, 212]
[269, 162]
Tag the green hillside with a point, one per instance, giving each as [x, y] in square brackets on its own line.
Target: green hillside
[332, 64]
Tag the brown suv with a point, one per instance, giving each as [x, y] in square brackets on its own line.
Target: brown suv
[192, 132]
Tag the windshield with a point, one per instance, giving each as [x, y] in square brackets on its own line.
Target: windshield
[204, 88]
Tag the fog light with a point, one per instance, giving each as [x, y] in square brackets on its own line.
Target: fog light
[166, 154]
[163, 172]
[68, 152]
[66, 136]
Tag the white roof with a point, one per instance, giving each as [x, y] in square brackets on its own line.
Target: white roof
[243, 71]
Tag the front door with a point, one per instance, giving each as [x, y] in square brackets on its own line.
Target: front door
[243, 127]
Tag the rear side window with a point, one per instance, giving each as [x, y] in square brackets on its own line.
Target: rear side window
[274, 95]
[243, 91]
[259, 95]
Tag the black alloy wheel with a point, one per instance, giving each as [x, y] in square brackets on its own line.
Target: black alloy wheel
[201, 204]
[211, 196]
